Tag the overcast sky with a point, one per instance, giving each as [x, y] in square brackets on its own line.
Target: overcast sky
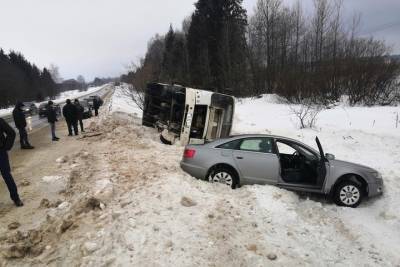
[101, 37]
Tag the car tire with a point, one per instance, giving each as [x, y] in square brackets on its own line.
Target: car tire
[225, 176]
[348, 194]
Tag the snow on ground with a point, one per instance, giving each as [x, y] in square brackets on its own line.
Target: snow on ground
[122, 102]
[76, 93]
[366, 135]
[297, 229]
[126, 201]
[6, 111]
[250, 225]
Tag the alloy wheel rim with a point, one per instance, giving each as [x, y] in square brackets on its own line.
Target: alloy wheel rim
[222, 178]
[349, 195]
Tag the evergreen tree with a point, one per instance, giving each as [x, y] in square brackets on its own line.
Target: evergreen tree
[175, 59]
[167, 72]
[21, 80]
[217, 45]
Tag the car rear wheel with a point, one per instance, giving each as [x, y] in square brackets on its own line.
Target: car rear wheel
[348, 194]
[224, 176]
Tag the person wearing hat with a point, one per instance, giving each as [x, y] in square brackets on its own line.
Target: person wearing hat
[52, 119]
[7, 137]
[20, 123]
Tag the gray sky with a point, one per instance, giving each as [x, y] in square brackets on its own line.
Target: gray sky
[101, 37]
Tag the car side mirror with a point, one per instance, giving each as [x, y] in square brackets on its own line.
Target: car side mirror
[329, 156]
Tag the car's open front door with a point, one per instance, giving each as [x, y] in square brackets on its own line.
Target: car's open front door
[322, 166]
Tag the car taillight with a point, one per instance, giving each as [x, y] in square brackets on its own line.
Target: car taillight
[189, 153]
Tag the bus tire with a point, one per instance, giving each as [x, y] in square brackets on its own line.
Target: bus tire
[164, 141]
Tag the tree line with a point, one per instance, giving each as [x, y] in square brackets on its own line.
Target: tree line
[279, 49]
[21, 80]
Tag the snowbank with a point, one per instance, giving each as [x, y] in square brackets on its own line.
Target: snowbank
[77, 93]
[122, 102]
[6, 111]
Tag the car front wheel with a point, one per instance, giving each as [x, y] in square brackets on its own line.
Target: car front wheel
[348, 194]
[224, 176]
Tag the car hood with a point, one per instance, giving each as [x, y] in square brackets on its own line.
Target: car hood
[348, 164]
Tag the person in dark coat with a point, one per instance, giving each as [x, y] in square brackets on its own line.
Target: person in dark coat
[96, 106]
[80, 110]
[52, 119]
[7, 138]
[70, 114]
[20, 123]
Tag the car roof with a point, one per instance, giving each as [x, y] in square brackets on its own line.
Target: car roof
[241, 136]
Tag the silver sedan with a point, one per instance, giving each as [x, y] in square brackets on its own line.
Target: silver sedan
[284, 162]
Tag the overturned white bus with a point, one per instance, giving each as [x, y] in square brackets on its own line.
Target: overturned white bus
[191, 116]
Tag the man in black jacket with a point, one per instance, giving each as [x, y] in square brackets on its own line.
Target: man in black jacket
[52, 119]
[80, 109]
[70, 114]
[20, 123]
[96, 106]
[7, 137]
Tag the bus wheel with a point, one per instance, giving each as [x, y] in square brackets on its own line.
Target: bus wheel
[165, 141]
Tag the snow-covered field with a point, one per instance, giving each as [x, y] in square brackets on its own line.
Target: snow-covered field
[366, 135]
[126, 202]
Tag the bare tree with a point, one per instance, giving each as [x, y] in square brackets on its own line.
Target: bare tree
[306, 113]
[80, 79]
[55, 73]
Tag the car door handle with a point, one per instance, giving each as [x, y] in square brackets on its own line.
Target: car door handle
[239, 157]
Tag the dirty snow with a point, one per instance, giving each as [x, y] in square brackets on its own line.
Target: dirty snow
[127, 203]
[50, 179]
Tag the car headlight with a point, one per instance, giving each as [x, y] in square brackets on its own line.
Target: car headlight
[377, 175]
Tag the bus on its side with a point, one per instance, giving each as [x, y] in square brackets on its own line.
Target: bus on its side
[187, 115]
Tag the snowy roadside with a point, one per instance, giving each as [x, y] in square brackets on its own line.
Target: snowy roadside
[126, 202]
[122, 103]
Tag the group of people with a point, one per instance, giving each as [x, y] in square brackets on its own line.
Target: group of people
[72, 112]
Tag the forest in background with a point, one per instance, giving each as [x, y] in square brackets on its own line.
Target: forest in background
[279, 49]
[21, 80]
